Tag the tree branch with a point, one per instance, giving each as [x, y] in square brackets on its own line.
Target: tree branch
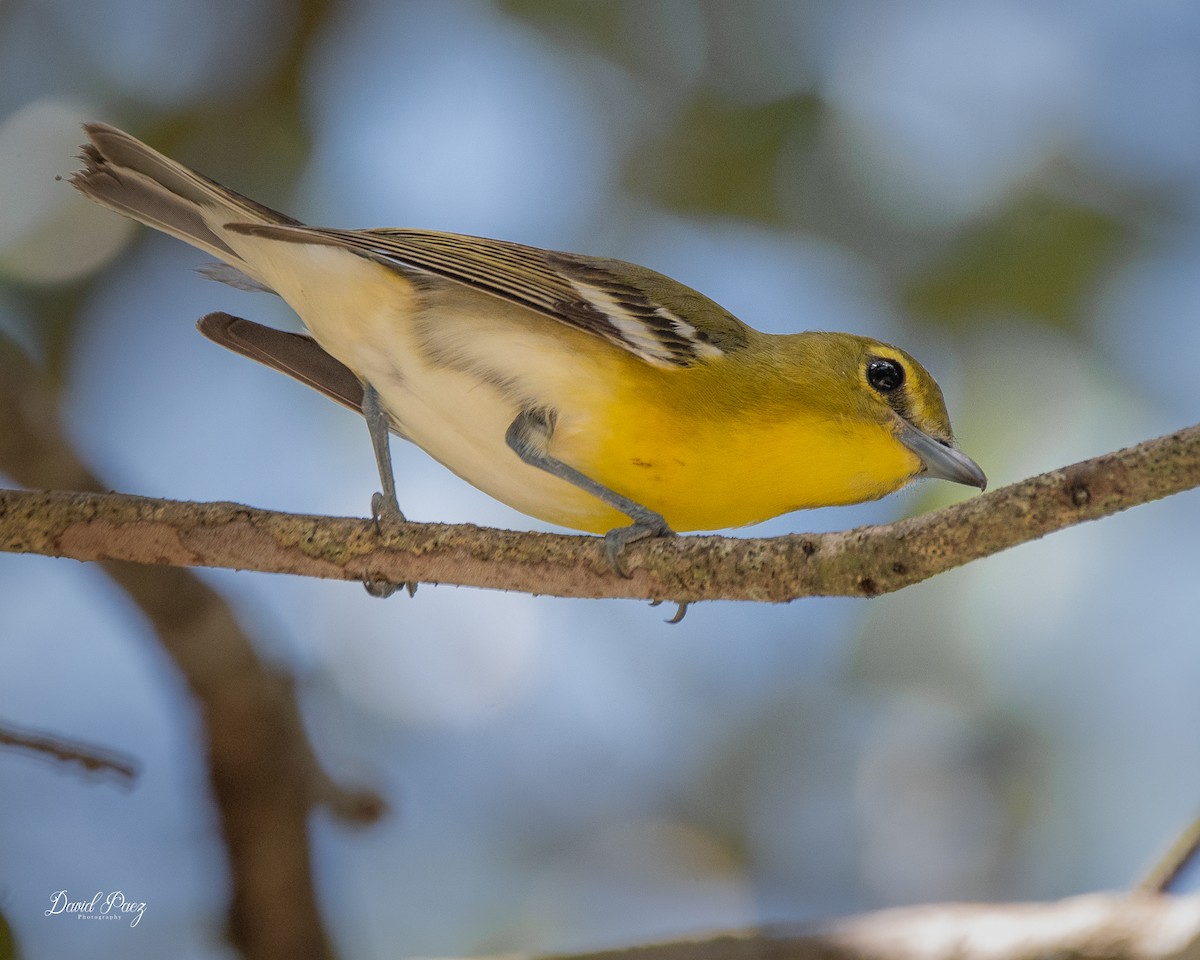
[1174, 863]
[1093, 927]
[86, 756]
[863, 562]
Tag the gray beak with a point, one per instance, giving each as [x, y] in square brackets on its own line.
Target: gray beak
[941, 461]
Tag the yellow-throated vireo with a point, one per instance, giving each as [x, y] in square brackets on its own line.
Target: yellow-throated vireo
[585, 391]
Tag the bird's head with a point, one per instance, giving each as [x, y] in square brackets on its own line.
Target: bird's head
[884, 384]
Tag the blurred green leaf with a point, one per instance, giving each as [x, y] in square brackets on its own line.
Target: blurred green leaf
[1040, 257]
[665, 43]
[722, 157]
[8, 943]
[596, 26]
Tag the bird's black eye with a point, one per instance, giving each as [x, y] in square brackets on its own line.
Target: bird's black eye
[885, 375]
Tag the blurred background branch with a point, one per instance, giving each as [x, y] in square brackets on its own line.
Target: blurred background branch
[89, 757]
[1095, 927]
[264, 777]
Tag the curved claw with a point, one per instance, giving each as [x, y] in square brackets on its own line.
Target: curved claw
[383, 511]
[681, 608]
[616, 540]
[380, 588]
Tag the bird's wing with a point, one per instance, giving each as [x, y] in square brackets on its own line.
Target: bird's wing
[653, 317]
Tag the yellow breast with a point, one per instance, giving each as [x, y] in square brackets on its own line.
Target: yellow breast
[675, 441]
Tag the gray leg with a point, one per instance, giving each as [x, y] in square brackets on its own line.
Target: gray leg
[528, 435]
[384, 506]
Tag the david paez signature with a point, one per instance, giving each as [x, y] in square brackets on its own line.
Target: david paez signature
[103, 906]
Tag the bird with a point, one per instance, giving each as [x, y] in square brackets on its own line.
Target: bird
[588, 392]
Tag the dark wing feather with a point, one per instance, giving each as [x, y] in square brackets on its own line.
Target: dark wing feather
[295, 354]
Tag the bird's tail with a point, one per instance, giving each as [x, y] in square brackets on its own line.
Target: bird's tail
[124, 174]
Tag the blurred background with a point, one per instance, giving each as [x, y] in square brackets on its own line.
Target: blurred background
[1009, 189]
